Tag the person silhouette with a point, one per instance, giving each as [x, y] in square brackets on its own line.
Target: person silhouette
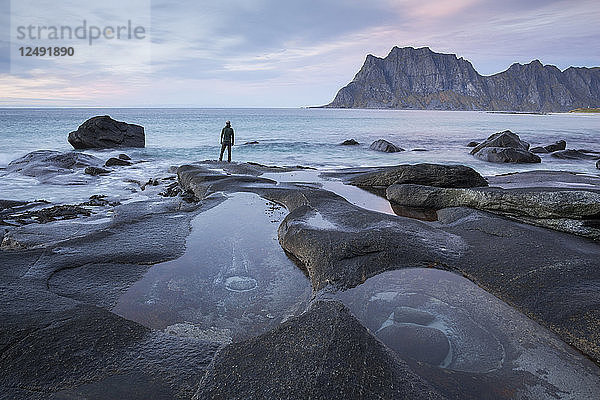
[227, 140]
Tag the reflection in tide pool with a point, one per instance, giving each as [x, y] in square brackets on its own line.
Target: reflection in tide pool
[234, 280]
[439, 321]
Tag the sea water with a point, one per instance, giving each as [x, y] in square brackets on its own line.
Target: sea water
[307, 137]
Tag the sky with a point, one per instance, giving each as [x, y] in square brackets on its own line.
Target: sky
[273, 53]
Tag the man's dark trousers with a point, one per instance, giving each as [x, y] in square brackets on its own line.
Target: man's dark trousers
[223, 146]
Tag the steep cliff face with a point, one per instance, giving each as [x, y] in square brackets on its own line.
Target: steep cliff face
[422, 79]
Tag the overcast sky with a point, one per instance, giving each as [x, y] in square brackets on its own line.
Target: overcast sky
[274, 53]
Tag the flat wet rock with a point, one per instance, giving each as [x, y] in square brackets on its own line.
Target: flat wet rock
[57, 337]
[454, 329]
[234, 280]
[323, 354]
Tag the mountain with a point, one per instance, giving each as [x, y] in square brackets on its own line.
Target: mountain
[410, 78]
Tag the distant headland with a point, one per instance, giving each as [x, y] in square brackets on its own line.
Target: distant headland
[410, 78]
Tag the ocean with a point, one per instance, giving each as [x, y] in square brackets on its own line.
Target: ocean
[297, 136]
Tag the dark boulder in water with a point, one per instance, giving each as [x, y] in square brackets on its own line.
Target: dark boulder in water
[349, 142]
[252, 142]
[94, 171]
[103, 132]
[473, 144]
[504, 139]
[598, 164]
[575, 155]
[505, 147]
[385, 146]
[124, 156]
[450, 176]
[560, 145]
[551, 148]
[507, 155]
[113, 161]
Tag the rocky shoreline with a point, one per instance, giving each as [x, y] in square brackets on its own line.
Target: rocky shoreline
[529, 239]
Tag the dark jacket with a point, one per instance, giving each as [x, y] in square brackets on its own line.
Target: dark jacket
[227, 135]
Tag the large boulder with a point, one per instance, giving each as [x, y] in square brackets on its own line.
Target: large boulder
[450, 176]
[349, 142]
[103, 132]
[385, 146]
[504, 139]
[576, 155]
[507, 155]
[505, 147]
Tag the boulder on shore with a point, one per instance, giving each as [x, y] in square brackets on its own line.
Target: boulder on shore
[349, 142]
[103, 132]
[385, 146]
[449, 176]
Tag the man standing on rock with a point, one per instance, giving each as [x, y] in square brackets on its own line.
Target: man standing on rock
[227, 140]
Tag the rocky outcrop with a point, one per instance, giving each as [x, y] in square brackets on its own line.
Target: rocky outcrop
[448, 176]
[410, 78]
[385, 146]
[349, 142]
[44, 164]
[532, 202]
[103, 132]
[505, 147]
